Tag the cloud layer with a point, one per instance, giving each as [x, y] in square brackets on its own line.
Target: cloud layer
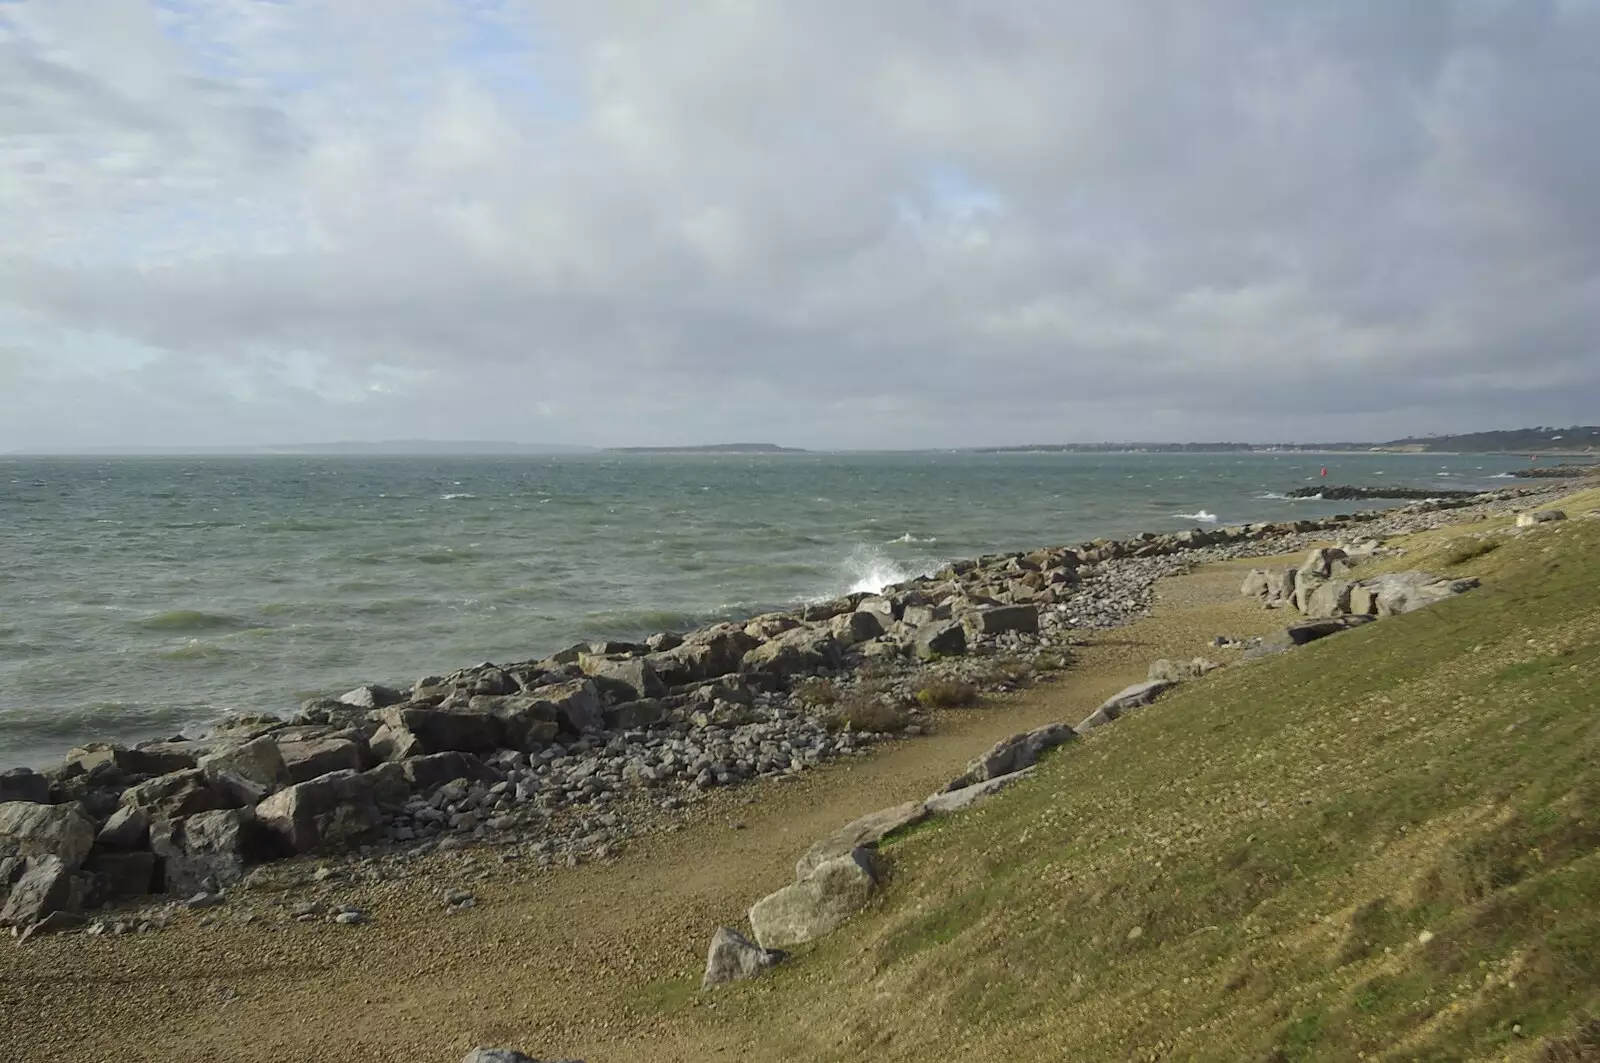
[829, 223]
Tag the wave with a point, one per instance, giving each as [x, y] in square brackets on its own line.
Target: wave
[190, 620]
[458, 496]
[909, 538]
[1504, 476]
[1201, 517]
[195, 650]
[868, 570]
[1273, 495]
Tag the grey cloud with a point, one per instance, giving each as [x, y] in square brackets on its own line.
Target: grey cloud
[886, 224]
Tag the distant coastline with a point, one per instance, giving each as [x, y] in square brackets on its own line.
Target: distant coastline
[712, 448]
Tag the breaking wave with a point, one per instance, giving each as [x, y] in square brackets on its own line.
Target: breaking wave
[458, 496]
[909, 538]
[1201, 517]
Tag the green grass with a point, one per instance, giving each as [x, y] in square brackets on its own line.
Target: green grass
[1386, 842]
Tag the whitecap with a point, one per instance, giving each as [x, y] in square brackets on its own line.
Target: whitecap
[458, 495]
[1504, 476]
[909, 538]
[1202, 517]
[1272, 495]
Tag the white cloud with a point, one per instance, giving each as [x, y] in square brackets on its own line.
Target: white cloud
[885, 224]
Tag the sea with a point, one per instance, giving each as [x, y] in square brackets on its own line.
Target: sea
[144, 597]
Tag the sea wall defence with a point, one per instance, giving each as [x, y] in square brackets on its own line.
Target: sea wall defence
[558, 749]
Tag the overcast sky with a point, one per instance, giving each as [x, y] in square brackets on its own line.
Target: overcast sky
[820, 223]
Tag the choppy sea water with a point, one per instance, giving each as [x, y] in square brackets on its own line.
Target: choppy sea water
[140, 596]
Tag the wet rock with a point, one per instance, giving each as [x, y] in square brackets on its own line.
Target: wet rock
[319, 756]
[334, 811]
[733, 957]
[26, 785]
[29, 830]
[206, 851]
[817, 904]
[869, 830]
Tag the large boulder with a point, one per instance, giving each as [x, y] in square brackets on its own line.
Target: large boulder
[724, 650]
[1329, 598]
[869, 830]
[998, 619]
[127, 829]
[1405, 592]
[332, 812]
[1324, 562]
[119, 876]
[155, 759]
[203, 852]
[576, 706]
[409, 730]
[175, 795]
[371, 696]
[819, 903]
[46, 887]
[802, 651]
[634, 673]
[967, 796]
[1540, 516]
[26, 785]
[319, 756]
[258, 761]
[506, 1055]
[633, 715]
[857, 627]
[1281, 584]
[1013, 754]
[30, 830]
[734, 957]
[944, 638]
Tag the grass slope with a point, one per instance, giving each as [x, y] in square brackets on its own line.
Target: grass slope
[1380, 846]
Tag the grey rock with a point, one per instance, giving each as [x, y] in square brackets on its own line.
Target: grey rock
[998, 619]
[869, 830]
[1330, 598]
[635, 673]
[371, 696]
[31, 830]
[48, 885]
[733, 957]
[1171, 671]
[967, 796]
[203, 852]
[159, 758]
[116, 876]
[331, 812]
[943, 639]
[1324, 563]
[1405, 592]
[857, 627]
[632, 715]
[175, 795]
[434, 731]
[318, 756]
[506, 1055]
[576, 706]
[817, 904]
[24, 784]
[801, 651]
[1122, 702]
[127, 829]
[1013, 754]
[1541, 516]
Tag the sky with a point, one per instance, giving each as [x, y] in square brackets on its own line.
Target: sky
[903, 223]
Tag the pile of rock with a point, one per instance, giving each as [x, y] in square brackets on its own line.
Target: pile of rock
[1319, 590]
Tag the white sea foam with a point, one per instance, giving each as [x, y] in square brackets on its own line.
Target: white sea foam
[1202, 517]
[1504, 476]
[869, 570]
[457, 495]
[909, 538]
[1272, 495]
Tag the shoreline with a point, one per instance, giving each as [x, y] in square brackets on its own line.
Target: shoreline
[571, 755]
[585, 961]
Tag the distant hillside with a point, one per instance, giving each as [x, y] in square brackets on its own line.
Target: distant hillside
[398, 447]
[1514, 441]
[714, 448]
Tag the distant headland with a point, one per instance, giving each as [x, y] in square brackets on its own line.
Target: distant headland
[713, 448]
